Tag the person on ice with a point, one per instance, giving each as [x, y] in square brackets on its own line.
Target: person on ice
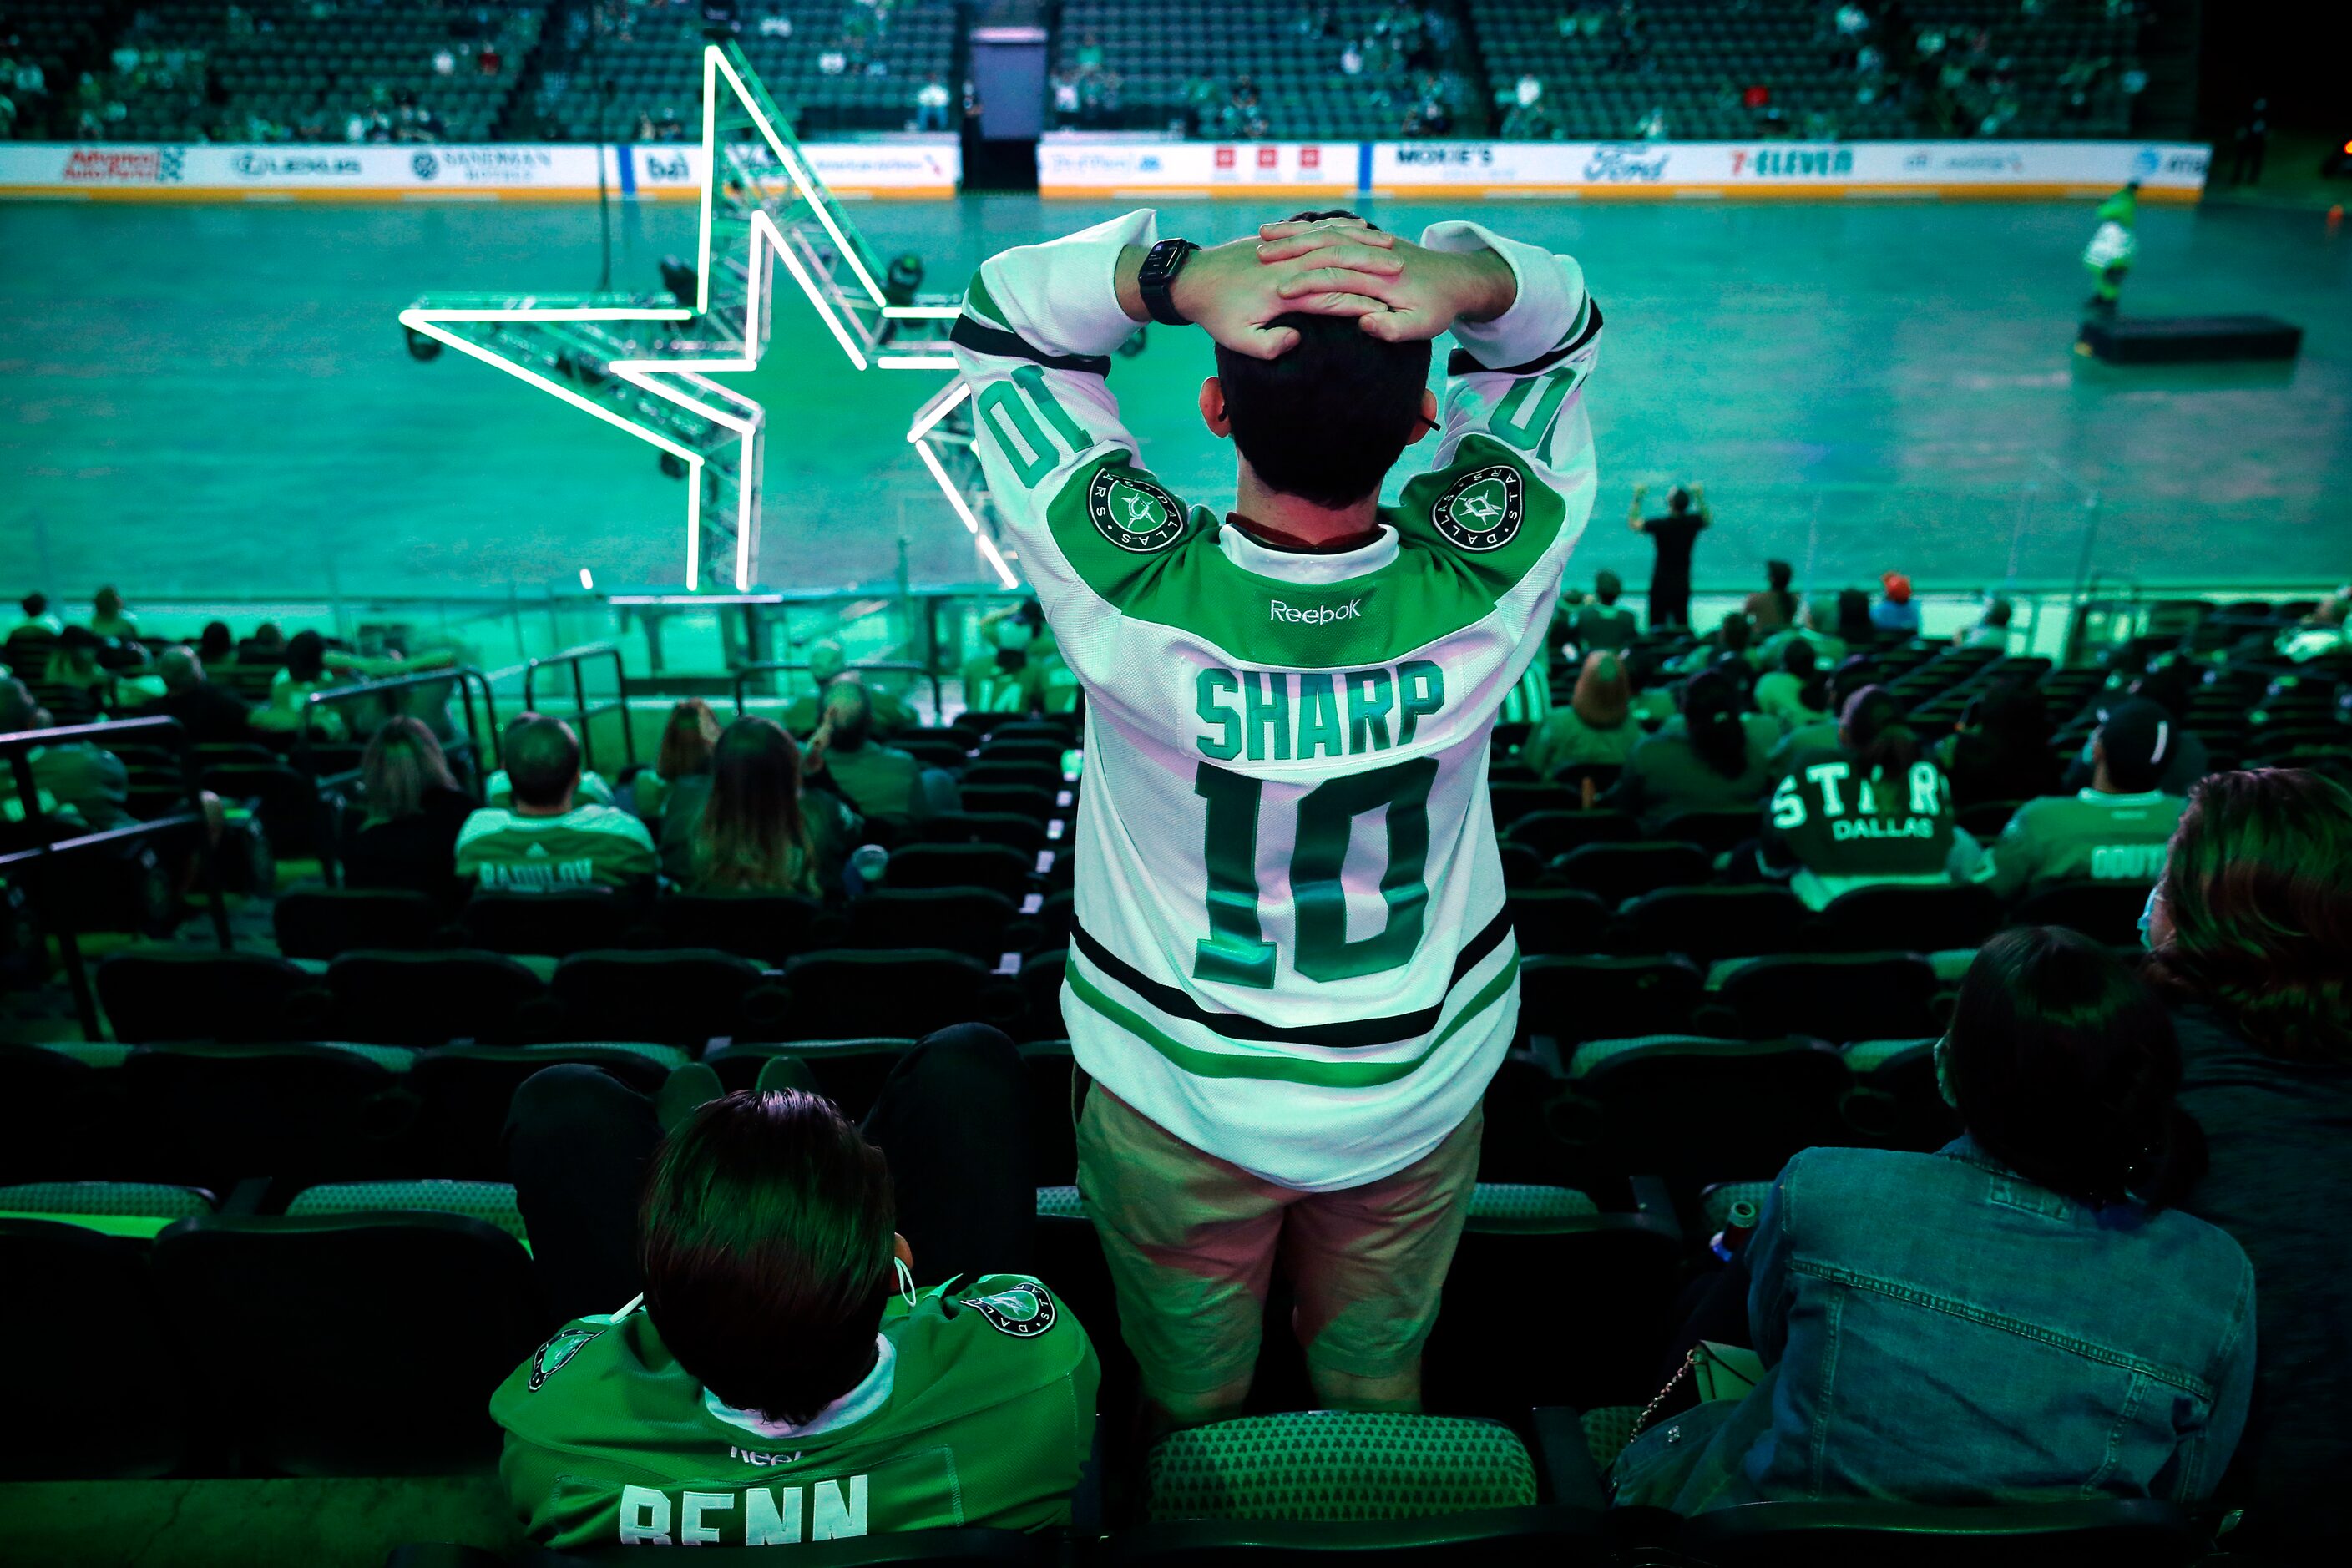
[2112, 246]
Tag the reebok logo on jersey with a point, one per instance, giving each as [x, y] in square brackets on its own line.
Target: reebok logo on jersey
[1482, 509]
[1317, 614]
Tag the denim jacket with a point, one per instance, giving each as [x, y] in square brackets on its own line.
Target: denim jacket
[1936, 1329]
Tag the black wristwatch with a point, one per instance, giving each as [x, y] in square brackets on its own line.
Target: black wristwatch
[1160, 264]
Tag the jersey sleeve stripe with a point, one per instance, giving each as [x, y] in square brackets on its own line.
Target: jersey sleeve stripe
[1349, 1033]
[1461, 362]
[970, 333]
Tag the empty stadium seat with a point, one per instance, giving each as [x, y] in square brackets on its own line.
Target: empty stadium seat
[320, 922]
[990, 866]
[1708, 923]
[553, 922]
[100, 1393]
[1515, 801]
[1551, 833]
[1695, 1109]
[1557, 919]
[218, 1111]
[1895, 1101]
[972, 920]
[1833, 996]
[55, 1114]
[848, 1072]
[464, 1092]
[2106, 912]
[493, 1203]
[1918, 920]
[769, 927]
[1020, 830]
[910, 992]
[306, 1320]
[426, 998]
[170, 994]
[2108, 1533]
[1027, 800]
[680, 997]
[1716, 832]
[1616, 872]
[1572, 998]
[1041, 995]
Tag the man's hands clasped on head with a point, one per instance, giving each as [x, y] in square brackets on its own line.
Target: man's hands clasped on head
[1229, 293]
[1420, 292]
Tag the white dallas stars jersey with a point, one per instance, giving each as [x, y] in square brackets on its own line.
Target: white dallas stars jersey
[1290, 946]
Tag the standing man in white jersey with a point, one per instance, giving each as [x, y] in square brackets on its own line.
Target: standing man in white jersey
[1291, 975]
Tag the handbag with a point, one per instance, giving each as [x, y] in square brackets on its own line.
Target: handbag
[1715, 1371]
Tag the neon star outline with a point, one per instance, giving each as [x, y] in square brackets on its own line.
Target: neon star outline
[654, 375]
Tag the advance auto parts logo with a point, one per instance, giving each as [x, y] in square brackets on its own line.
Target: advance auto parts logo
[1132, 512]
[141, 167]
[1025, 1311]
[1482, 509]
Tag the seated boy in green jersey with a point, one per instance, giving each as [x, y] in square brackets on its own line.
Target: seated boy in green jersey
[781, 1380]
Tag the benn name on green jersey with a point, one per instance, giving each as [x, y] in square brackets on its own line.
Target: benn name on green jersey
[980, 1411]
[1290, 948]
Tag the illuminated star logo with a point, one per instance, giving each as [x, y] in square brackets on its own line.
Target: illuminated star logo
[680, 372]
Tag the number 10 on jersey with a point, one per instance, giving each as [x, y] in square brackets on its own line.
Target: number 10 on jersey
[1235, 950]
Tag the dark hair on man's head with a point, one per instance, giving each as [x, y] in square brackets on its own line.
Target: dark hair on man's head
[764, 1234]
[2257, 891]
[1678, 501]
[1854, 625]
[543, 757]
[306, 656]
[1735, 632]
[1801, 659]
[2064, 1064]
[849, 711]
[1780, 574]
[1328, 420]
[217, 644]
[1997, 612]
[1710, 704]
[35, 605]
[1607, 587]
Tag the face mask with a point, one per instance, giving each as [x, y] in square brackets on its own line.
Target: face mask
[1944, 1076]
[1014, 637]
[2147, 913]
[905, 1278]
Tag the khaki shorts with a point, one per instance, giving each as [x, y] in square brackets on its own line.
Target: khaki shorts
[1191, 1242]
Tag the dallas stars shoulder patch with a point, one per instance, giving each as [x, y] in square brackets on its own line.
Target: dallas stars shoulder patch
[1133, 513]
[1482, 509]
[550, 1357]
[1025, 1311]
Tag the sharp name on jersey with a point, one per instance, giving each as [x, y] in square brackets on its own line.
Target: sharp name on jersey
[1290, 948]
[981, 1414]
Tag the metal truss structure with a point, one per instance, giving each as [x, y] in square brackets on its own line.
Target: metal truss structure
[643, 362]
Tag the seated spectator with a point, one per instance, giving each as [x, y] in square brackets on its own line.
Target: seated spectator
[2167, 685]
[1729, 640]
[1896, 612]
[682, 764]
[1709, 760]
[211, 715]
[1991, 629]
[2025, 1315]
[748, 1361]
[827, 664]
[2249, 931]
[266, 645]
[76, 665]
[1884, 816]
[547, 838]
[310, 667]
[2001, 748]
[1798, 693]
[215, 645]
[498, 790]
[1596, 728]
[1775, 608]
[1006, 680]
[759, 831]
[109, 620]
[78, 775]
[1604, 623]
[413, 812]
[876, 780]
[1853, 625]
[1815, 624]
[1816, 739]
[37, 616]
[2114, 831]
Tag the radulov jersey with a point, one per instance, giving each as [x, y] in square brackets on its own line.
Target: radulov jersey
[980, 1411]
[588, 846]
[1290, 947]
[2084, 836]
[1842, 828]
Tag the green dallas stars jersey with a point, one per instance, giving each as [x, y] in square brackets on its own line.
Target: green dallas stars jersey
[1290, 947]
[981, 1411]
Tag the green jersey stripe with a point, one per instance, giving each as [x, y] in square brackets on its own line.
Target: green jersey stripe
[1288, 1070]
[980, 303]
[1347, 1035]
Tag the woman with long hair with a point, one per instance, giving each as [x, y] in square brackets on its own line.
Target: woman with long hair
[1596, 728]
[688, 739]
[762, 832]
[1709, 760]
[411, 809]
[2024, 1314]
[1883, 816]
[2250, 932]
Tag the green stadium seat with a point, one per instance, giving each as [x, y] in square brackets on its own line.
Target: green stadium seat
[104, 1395]
[490, 1202]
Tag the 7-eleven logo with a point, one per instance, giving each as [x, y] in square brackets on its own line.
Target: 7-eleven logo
[1310, 157]
[1224, 157]
[1268, 157]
